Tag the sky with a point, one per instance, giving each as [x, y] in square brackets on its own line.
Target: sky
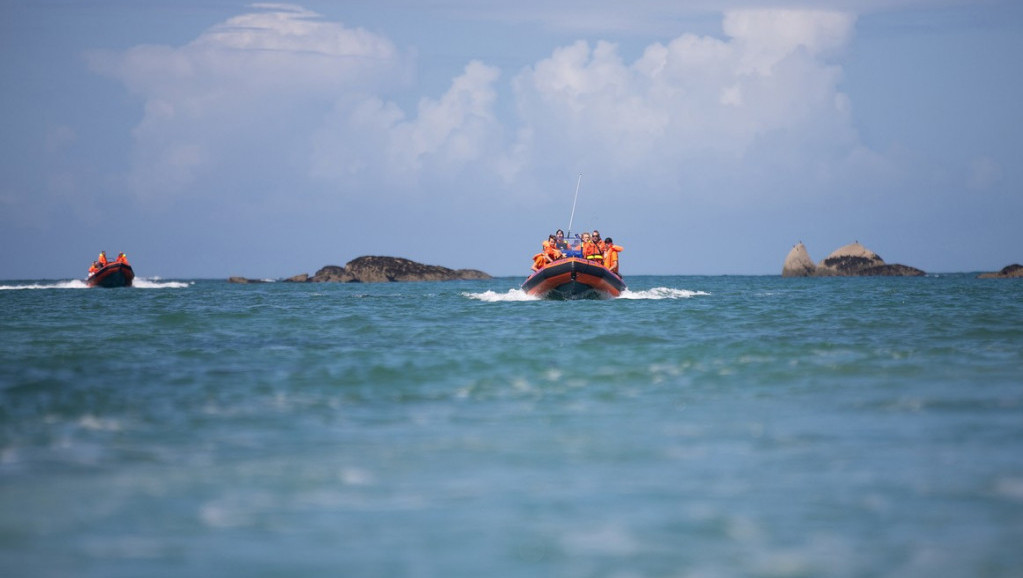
[210, 138]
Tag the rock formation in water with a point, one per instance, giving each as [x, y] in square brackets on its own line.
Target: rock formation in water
[389, 269]
[848, 260]
[852, 260]
[1014, 271]
[798, 262]
[378, 270]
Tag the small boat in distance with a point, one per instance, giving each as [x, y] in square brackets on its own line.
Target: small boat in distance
[116, 274]
[564, 272]
[574, 278]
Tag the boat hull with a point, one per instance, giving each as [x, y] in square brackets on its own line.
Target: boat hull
[574, 278]
[112, 275]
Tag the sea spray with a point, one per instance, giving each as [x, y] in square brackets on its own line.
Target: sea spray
[655, 293]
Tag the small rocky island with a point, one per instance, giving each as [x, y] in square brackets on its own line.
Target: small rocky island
[1014, 271]
[852, 260]
[372, 269]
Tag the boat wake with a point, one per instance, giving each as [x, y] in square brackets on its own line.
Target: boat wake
[495, 297]
[141, 283]
[651, 294]
[72, 284]
[157, 283]
[661, 293]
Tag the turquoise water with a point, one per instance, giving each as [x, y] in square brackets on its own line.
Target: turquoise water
[701, 427]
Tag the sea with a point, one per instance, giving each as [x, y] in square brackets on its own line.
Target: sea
[705, 427]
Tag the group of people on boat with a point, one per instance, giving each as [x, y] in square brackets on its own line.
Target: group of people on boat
[589, 246]
[102, 261]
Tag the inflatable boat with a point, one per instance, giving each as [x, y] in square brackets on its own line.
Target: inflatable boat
[112, 275]
[574, 278]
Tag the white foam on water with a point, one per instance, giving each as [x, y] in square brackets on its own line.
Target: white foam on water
[72, 284]
[495, 297]
[655, 293]
[661, 293]
[139, 282]
[157, 283]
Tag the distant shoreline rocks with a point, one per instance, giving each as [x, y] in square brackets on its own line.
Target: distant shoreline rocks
[373, 269]
[852, 260]
[1014, 271]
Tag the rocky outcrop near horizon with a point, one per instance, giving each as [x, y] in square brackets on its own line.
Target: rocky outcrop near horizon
[372, 269]
[852, 260]
[798, 262]
[1014, 271]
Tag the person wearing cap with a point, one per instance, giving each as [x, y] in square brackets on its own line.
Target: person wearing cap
[102, 259]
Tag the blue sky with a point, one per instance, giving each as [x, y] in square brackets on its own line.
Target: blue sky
[213, 138]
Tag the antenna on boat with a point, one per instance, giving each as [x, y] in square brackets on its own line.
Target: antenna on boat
[572, 218]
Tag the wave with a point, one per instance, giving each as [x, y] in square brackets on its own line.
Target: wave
[653, 294]
[72, 284]
[495, 297]
[661, 293]
[157, 283]
[139, 282]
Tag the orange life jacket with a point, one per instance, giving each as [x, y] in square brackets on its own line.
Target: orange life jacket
[551, 250]
[592, 251]
[611, 257]
[102, 260]
[539, 260]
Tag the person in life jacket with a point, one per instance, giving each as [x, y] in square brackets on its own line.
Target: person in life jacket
[539, 260]
[93, 268]
[102, 259]
[122, 258]
[611, 255]
[590, 250]
[550, 249]
[559, 240]
[599, 242]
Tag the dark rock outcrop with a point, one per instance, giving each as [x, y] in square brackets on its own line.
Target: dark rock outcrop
[847, 261]
[1014, 271]
[334, 274]
[895, 270]
[377, 270]
[372, 269]
[852, 260]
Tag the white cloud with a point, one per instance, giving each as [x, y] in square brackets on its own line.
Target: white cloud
[281, 90]
[767, 94]
[373, 139]
[765, 37]
[457, 129]
[246, 93]
[282, 48]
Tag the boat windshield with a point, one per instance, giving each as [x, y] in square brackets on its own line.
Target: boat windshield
[573, 247]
